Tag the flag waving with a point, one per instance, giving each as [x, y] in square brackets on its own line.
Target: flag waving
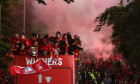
[33, 68]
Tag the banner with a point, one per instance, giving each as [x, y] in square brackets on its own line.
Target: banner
[39, 66]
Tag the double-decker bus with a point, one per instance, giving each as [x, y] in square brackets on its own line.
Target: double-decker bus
[62, 72]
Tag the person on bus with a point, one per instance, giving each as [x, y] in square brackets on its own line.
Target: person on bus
[58, 37]
[16, 43]
[45, 48]
[56, 50]
[51, 40]
[24, 44]
[46, 37]
[33, 39]
[70, 41]
[39, 43]
[64, 45]
[39, 39]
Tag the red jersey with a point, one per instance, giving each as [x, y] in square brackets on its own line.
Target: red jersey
[58, 40]
[14, 42]
[25, 42]
[32, 41]
[47, 47]
[44, 40]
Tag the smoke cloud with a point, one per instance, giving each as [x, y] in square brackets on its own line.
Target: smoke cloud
[78, 18]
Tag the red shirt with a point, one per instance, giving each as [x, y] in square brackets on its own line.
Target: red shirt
[32, 41]
[58, 39]
[14, 42]
[44, 40]
[47, 47]
[25, 42]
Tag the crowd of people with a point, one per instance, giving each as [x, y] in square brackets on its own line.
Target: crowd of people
[59, 45]
[111, 71]
[5, 78]
[114, 70]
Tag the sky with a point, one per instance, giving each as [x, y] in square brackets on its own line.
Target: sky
[78, 18]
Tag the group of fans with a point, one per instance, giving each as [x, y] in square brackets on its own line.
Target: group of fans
[59, 45]
[111, 71]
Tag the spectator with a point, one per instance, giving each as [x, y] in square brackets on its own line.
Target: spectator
[1, 80]
[107, 80]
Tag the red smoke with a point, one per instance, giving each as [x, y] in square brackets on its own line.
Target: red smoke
[78, 18]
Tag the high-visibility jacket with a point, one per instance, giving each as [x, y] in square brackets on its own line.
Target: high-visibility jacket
[98, 74]
[85, 74]
[102, 82]
[93, 77]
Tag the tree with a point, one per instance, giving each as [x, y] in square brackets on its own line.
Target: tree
[125, 21]
[9, 25]
[7, 21]
[43, 2]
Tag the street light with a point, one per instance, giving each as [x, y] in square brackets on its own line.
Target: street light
[24, 3]
[0, 19]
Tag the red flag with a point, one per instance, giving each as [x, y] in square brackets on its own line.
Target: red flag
[15, 70]
[33, 68]
[40, 66]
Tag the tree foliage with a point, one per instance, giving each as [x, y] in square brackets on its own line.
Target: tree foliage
[9, 25]
[43, 2]
[7, 22]
[4, 48]
[125, 21]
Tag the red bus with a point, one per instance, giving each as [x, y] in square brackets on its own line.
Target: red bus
[62, 72]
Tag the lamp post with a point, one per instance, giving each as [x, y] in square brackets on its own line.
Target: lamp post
[0, 19]
[24, 15]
